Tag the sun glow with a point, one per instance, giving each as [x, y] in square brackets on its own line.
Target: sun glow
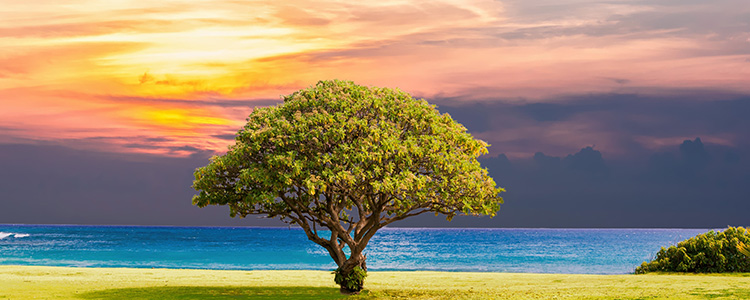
[196, 68]
[181, 119]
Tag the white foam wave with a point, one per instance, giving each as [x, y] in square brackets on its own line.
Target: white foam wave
[9, 234]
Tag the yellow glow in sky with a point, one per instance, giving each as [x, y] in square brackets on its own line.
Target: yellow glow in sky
[188, 72]
[180, 119]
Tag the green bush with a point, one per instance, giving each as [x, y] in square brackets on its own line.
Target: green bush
[711, 252]
[354, 281]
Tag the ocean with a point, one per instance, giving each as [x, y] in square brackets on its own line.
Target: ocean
[577, 251]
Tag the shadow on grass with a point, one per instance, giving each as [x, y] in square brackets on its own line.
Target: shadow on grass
[211, 292]
[724, 294]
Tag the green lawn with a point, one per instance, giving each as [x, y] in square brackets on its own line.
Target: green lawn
[23, 282]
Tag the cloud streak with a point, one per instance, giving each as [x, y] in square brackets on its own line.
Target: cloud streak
[193, 70]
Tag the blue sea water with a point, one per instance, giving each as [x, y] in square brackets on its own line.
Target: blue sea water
[582, 251]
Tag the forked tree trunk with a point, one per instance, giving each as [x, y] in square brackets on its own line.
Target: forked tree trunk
[349, 285]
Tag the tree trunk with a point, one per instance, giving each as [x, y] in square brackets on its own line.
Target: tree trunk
[351, 281]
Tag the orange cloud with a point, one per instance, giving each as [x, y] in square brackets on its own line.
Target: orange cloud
[132, 68]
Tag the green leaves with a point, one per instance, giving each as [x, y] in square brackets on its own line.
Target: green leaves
[744, 249]
[352, 281]
[346, 141]
[712, 252]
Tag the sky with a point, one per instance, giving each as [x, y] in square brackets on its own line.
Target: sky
[599, 113]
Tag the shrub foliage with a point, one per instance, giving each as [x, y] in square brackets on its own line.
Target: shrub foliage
[352, 281]
[711, 252]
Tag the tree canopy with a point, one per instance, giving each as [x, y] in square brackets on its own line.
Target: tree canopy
[350, 159]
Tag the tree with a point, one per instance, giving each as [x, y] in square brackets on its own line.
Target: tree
[343, 161]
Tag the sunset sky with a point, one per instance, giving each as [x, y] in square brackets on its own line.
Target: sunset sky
[176, 79]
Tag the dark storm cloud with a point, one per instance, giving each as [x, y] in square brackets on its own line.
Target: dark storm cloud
[56, 185]
[627, 123]
[691, 185]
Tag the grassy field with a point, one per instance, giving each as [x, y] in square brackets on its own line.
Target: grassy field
[24, 282]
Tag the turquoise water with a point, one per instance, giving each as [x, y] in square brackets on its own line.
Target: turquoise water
[582, 251]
